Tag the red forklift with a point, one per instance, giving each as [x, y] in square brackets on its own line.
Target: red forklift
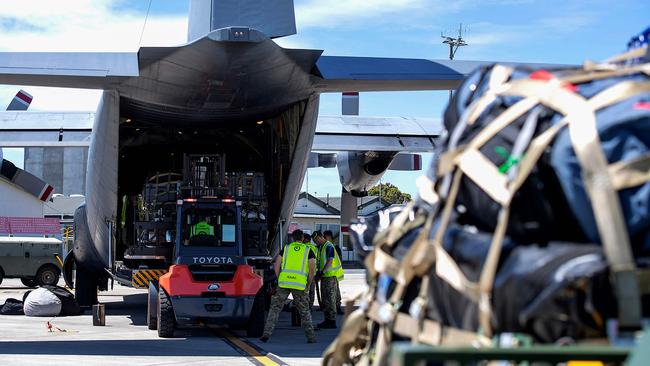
[198, 242]
[210, 281]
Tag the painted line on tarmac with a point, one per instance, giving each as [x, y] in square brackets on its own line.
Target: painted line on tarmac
[252, 352]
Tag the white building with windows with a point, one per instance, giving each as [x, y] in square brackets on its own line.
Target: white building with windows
[324, 213]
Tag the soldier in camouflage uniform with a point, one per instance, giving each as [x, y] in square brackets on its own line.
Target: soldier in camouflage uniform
[330, 272]
[314, 248]
[295, 269]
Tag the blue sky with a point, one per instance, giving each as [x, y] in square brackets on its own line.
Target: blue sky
[500, 30]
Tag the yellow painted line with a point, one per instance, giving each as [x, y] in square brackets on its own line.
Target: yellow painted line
[252, 352]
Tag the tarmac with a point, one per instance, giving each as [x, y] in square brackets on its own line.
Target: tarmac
[126, 340]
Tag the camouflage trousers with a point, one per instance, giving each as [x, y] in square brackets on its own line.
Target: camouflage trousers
[338, 296]
[300, 299]
[328, 290]
[312, 293]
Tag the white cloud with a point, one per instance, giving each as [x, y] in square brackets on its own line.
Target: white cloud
[78, 25]
[88, 25]
[330, 13]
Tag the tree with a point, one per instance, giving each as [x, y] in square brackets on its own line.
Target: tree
[389, 193]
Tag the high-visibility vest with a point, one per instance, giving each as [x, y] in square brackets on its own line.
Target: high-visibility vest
[336, 269]
[313, 249]
[294, 271]
[202, 228]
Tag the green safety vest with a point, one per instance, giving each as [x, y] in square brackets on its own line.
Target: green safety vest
[313, 249]
[294, 271]
[336, 270]
[203, 228]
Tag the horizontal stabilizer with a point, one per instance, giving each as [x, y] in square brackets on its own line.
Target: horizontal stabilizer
[406, 162]
[354, 133]
[340, 74]
[46, 129]
[86, 70]
[27, 181]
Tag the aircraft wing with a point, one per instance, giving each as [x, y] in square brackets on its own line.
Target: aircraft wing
[87, 70]
[354, 133]
[340, 74]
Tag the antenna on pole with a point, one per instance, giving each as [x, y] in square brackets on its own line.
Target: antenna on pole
[454, 44]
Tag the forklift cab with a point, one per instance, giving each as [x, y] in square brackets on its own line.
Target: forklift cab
[209, 231]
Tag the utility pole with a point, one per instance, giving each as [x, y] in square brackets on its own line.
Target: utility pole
[454, 44]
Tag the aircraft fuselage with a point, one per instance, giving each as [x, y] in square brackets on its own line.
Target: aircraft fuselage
[233, 92]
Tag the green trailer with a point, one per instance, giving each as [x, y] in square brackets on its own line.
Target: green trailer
[407, 354]
[36, 261]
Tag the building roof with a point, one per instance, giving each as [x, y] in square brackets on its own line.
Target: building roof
[62, 206]
[331, 206]
[14, 240]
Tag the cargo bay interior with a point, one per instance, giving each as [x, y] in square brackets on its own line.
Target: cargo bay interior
[249, 158]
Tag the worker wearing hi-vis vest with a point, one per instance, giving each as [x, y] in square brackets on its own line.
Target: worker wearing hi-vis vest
[202, 227]
[312, 287]
[330, 272]
[295, 268]
[329, 237]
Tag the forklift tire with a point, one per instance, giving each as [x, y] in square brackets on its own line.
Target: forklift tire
[152, 307]
[255, 325]
[166, 321]
[27, 282]
[85, 290]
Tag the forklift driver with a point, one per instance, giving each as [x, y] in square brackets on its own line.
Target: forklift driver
[202, 227]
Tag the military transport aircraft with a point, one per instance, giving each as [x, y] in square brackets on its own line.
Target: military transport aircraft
[232, 87]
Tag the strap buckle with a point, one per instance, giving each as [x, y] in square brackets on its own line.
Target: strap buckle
[388, 312]
[417, 307]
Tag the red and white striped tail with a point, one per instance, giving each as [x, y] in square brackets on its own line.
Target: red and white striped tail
[25, 180]
[21, 101]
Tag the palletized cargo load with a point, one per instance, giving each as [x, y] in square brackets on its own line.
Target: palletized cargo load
[532, 220]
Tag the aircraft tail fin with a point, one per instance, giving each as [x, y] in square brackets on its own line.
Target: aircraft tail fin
[21, 101]
[274, 18]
